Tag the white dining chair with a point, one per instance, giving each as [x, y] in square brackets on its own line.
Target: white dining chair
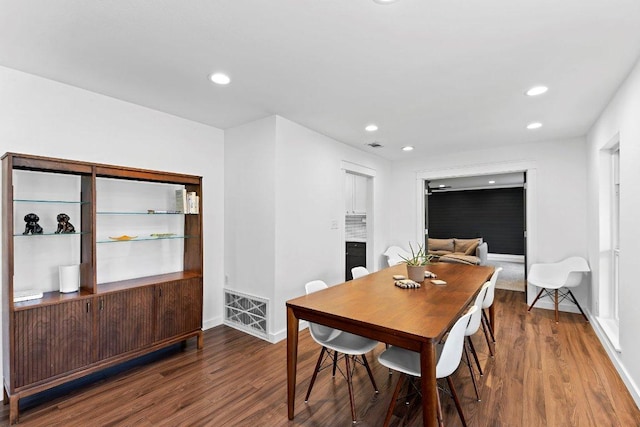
[407, 362]
[556, 276]
[472, 328]
[351, 347]
[486, 304]
[395, 255]
[358, 272]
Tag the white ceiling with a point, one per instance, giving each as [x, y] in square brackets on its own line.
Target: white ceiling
[431, 73]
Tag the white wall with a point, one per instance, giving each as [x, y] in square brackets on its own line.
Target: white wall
[250, 210]
[308, 195]
[47, 118]
[560, 191]
[620, 117]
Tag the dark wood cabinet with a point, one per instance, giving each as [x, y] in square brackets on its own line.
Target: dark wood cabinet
[51, 340]
[356, 255]
[178, 308]
[125, 321]
[59, 337]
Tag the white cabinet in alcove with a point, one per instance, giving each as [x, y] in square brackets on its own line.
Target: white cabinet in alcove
[355, 194]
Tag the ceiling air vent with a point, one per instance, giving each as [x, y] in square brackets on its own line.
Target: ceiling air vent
[374, 144]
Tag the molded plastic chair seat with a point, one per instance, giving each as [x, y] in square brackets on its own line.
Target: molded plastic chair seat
[350, 345]
[448, 358]
[347, 343]
[487, 326]
[358, 272]
[553, 276]
[394, 255]
[472, 328]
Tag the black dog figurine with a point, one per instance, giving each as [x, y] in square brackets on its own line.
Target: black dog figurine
[64, 226]
[32, 225]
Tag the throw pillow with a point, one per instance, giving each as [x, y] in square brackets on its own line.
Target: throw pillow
[441, 245]
[466, 246]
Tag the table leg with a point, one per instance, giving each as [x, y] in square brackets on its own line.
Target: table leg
[428, 384]
[292, 360]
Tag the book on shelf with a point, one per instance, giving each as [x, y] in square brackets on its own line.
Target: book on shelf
[193, 203]
[26, 295]
[181, 201]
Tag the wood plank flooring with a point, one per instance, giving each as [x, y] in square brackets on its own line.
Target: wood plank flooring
[543, 374]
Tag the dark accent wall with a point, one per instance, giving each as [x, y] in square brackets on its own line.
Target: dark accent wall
[496, 215]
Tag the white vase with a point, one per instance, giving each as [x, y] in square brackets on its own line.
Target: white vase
[69, 278]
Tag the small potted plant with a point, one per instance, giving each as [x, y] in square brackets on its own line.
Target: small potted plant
[416, 263]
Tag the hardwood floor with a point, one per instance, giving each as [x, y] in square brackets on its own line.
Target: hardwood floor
[543, 375]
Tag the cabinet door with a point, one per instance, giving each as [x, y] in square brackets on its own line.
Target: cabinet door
[125, 321]
[178, 308]
[52, 340]
[348, 193]
[360, 194]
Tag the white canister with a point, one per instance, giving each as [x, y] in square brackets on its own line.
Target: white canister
[69, 278]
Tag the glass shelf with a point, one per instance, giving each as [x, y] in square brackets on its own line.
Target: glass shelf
[74, 202]
[77, 233]
[140, 213]
[147, 238]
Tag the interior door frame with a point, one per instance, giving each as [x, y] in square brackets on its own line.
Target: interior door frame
[527, 167]
[354, 168]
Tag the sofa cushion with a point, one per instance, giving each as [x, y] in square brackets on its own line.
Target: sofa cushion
[465, 246]
[439, 253]
[436, 245]
[461, 259]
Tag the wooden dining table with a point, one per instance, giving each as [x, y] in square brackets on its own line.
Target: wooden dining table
[373, 307]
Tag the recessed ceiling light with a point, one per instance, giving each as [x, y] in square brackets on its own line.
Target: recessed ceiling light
[220, 78]
[384, 1]
[534, 125]
[537, 90]
[371, 128]
[407, 148]
[492, 182]
[441, 185]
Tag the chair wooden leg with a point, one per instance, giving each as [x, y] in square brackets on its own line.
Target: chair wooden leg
[366, 365]
[576, 303]
[394, 398]
[473, 375]
[486, 335]
[475, 355]
[486, 319]
[315, 373]
[536, 300]
[335, 362]
[556, 294]
[350, 384]
[439, 413]
[456, 401]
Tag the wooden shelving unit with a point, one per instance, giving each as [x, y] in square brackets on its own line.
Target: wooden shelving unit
[64, 336]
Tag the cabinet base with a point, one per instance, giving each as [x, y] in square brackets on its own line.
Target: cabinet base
[14, 399]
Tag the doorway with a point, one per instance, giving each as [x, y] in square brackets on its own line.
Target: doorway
[429, 180]
[358, 218]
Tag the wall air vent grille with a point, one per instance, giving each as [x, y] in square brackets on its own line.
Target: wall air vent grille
[248, 313]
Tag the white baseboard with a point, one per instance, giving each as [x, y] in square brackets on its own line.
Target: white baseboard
[282, 334]
[505, 257]
[211, 323]
[614, 355]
